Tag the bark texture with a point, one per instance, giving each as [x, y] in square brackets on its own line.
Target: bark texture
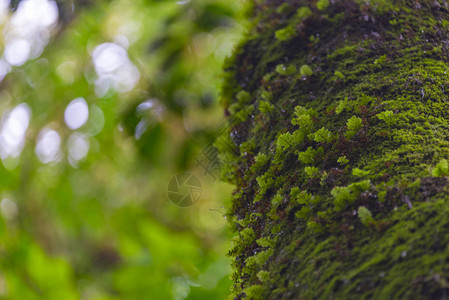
[339, 115]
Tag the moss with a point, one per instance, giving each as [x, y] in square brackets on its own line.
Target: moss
[283, 70]
[322, 4]
[312, 172]
[354, 124]
[265, 107]
[339, 75]
[263, 276]
[365, 216]
[441, 169]
[306, 70]
[243, 97]
[304, 12]
[360, 173]
[342, 160]
[285, 34]
[333, 197]
[386, 116]
[322, 135]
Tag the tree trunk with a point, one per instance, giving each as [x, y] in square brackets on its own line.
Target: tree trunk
[339, 115]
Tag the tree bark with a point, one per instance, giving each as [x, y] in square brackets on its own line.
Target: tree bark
[339, 119]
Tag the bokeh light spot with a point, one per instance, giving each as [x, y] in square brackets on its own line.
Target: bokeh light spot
[78, 145]
[48, 145]
[13, 129]
[8, 209]
[76, 113]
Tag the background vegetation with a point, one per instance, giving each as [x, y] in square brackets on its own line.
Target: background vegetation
[103, 102]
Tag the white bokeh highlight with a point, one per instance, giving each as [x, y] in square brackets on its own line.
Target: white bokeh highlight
[78, 145]
[4, 4]
[13, 128]
[76, 113]
[9, 209]
[17, 51]
[114, 69]
[48, 146]
[26, 31]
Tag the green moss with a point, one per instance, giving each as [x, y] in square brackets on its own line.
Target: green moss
[441, 169]
[263, 276]
[243, 97]
[382, 59]
[285, 34]
[306, 70]
[311, 155]
[365, 216]
[359, 173]
[283, 70]
[312, 172]
[343, 105]
[265, 107]
[339, 75]
[322, 4]
[322, 135]
[284, 8]
[303, 12]
[354, 124]
[386, 116]
[339, 198]
[254, 292]
[342, 160]
[265, 182]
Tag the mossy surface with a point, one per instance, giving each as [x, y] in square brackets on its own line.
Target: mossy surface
[342, 131]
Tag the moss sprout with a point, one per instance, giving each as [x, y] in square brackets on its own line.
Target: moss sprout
[263, 276]
[360, 173]
[322, 4]
[243, 114]
[266, 95]
[284, 8]
[441, 169]
[381, 60]
[260, 160]
[285, 71]
[354, 124]
[312, 172]
[343, 160]
[254, 292]
[285, 34]
[305, 70]
[386, 116]
[339, 75]
[265, 182]
[243, 97]
[265, 242]
[303, 12]
[304, 121]
[309, 156]
[322, 135]
[365, 216]
[265, 107]
[342, 105]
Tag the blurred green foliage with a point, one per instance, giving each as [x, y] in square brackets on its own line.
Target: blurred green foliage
[98, 225]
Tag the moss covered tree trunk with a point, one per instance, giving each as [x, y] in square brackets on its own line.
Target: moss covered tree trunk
[340, 113]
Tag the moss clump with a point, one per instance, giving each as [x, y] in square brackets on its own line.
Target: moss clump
[322, 4]
[354, 124]
[306, 70]
[365, 216]
[285, 34]
[441, 169]
[341, 188]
